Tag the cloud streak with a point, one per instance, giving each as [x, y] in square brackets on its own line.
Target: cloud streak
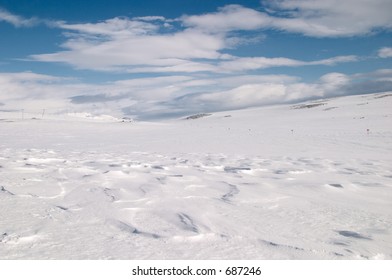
[385, 52]
[253, 63]
[117, 47]
[327, 18]
[16, 20]
[331, 18]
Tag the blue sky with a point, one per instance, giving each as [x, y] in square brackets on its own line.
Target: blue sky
[152, 59]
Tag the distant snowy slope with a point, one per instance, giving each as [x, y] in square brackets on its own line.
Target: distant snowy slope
[303, 181]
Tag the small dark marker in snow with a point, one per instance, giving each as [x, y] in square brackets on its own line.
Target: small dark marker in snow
[353, 234]
[336, 185]
[4, 190]
[3, 236]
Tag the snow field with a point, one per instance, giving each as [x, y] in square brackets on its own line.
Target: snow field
[238, 187]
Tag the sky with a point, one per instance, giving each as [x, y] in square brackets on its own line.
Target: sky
[157, 59]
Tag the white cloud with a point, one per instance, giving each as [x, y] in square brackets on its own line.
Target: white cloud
[133, 50]
[27, 77]
[129, 46]
[201, 43]
[16, 20]
[320, 18]
[234, 64]
[115, 27]
[253, 63]
[238, 80]
[34, 92]
[383, 75]
[245, 96]
[331, 18]
[27, 90]
[334, 60]
[139, 45]
[253, 95]
[143, 96]
[150, 18]
[177, 66]
[385, 52]
[258, 93]
[317, 18]
[228, 18]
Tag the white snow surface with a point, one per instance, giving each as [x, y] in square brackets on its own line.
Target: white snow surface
[279, 182]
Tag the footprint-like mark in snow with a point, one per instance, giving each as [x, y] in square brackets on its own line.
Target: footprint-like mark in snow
[125, 227]
[108, 193]
[14, 239]
[233, 190]
[273, 244]
[187, 222]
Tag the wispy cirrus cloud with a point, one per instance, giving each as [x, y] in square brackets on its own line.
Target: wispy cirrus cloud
[253, 63]
[115, 28]
[16, 20]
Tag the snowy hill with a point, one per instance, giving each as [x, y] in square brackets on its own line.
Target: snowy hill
[303, 181]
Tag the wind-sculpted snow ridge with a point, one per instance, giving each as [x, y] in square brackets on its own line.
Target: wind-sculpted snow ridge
[266, 183]
[89, 205]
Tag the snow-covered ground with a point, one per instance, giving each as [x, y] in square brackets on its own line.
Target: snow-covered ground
[305, 181]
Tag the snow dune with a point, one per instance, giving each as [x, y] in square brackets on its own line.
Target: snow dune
[310, 181]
